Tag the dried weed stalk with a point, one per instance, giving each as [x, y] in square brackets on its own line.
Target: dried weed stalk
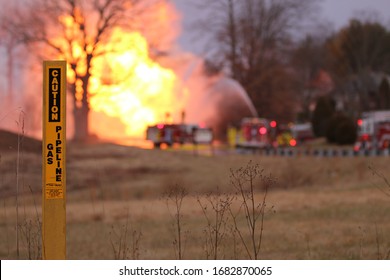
[125, 242]
[174, 200]
[20, 124]
[31, 233]
[248, 181]
[385, 189]
[215, 209]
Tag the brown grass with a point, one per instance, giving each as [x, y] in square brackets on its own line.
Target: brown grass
[323, 208]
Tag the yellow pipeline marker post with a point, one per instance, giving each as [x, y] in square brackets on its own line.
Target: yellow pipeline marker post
[53, 165]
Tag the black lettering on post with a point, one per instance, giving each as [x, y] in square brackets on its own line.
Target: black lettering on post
[50, 153]
[54, 95]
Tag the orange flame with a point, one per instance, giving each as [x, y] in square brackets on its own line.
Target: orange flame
[127, 89]
[127, 85]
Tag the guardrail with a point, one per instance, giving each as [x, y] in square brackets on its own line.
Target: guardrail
[315, 152]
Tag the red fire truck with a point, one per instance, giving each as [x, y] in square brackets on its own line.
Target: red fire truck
[256, 133]
[170, 134]
[373, 131]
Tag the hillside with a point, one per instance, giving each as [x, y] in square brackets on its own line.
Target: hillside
[9, 142]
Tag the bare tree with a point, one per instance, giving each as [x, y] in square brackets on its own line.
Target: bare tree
[358, 60]
[252, 39]
[8, 41]
[76, 31]
[308, 61]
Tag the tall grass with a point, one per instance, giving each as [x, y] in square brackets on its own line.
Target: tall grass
[385, 189]
[20, 124]
[220, 215]
[27, 230]
[232, 221]
[6, 229]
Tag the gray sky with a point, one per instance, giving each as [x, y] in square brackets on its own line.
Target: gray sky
[337, 12]
[340, 11]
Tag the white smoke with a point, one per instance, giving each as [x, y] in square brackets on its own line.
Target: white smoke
[216, 101]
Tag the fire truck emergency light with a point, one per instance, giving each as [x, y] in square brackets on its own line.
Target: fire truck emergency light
[263, 130]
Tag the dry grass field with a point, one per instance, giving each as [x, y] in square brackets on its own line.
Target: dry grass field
[117, 204]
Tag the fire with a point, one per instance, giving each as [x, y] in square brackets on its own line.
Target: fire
[128, 90]
[128, 85]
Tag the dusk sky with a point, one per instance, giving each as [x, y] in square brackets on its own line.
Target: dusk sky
[340, 11]
[336, 12]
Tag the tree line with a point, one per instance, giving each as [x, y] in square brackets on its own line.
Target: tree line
[321, 77]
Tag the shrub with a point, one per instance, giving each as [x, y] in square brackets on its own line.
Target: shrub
[346, 132]
[323, 112]
[341, 130]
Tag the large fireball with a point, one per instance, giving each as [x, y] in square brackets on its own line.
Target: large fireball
[128, 86]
